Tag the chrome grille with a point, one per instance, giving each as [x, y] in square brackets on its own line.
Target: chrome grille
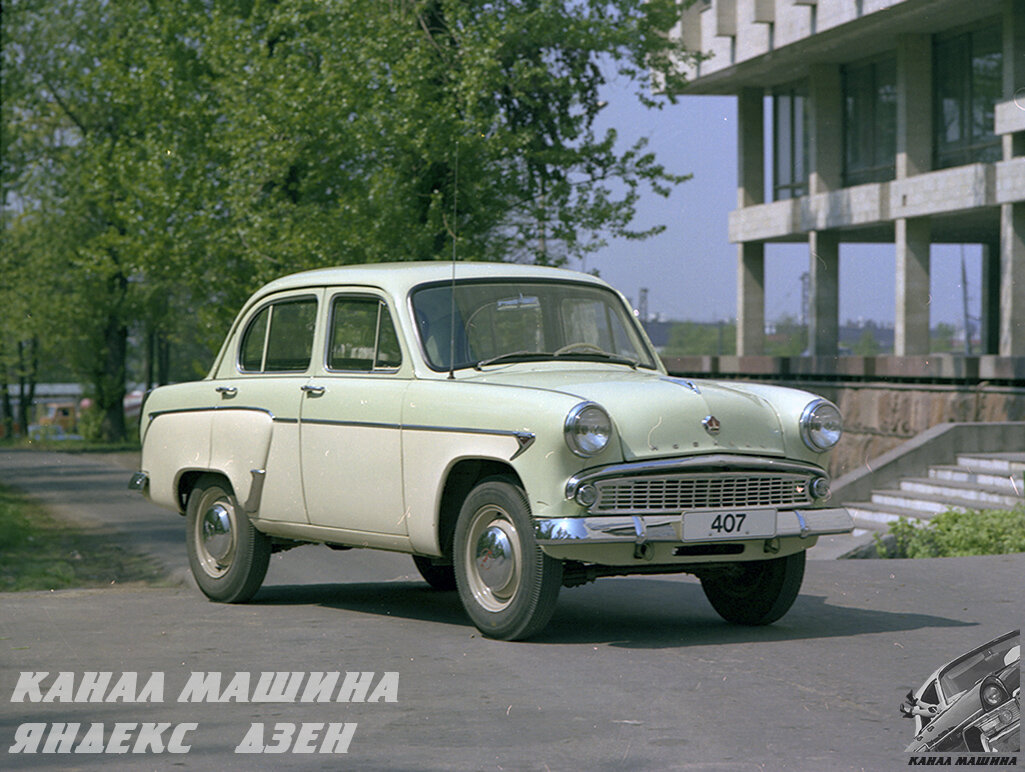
[725, 490]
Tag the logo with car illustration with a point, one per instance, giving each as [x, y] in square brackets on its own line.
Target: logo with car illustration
[972, 703]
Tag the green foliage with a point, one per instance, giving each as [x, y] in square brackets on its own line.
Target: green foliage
[955, 532]
[162, 159]
[789, 340]
[90, 425]
[867, 345]
[697, 339]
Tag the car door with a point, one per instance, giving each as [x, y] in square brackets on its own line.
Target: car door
[256, 420]
[349, 422]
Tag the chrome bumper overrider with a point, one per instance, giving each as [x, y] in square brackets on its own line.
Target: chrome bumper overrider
[139, 482]
[641, 529]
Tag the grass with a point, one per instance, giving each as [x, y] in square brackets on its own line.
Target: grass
[70, 446]
[40, 552]
[954, 532]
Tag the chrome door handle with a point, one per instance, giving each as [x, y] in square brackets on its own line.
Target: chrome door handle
[313, 391]
[226, 391]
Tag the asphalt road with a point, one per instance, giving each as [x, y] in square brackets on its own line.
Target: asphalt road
[633, 673]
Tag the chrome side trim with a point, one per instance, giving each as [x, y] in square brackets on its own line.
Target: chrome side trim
[716, 462]
[661, 528]
[212, 408]
[361, 424]
[525, 440]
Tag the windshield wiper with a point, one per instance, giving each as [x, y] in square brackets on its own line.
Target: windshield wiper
[514, 356]
[603, 356]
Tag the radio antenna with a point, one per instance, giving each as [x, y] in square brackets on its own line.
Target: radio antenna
[452, 291]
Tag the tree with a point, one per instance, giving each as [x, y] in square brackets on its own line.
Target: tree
[101, 104]
[176, 155]
[790, 338]
[867, 345]
[698, 339]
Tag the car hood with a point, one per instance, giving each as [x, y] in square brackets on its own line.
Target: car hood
[658, 415]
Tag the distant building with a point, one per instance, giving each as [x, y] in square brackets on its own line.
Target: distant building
[886, 121]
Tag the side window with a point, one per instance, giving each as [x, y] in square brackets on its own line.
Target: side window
[254, 342]
[363, 337]
[280, 337]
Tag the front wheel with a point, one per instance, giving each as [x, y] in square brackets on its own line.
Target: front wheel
[755, 593]
[227, 555]
[507, 585]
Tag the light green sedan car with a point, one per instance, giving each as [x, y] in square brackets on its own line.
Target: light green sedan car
[508, 426]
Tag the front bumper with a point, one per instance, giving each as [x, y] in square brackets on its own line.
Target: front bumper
[643, 529]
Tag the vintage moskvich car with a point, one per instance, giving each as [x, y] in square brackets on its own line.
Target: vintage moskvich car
[972, 703]
[508, 426]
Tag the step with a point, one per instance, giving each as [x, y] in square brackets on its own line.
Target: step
[925, 504]
[981, 496]
[876, 517]
[1007, 482]
[1008, 462]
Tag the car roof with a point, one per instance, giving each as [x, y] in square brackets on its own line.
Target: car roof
[399, 278]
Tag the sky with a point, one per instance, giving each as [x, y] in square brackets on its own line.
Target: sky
[690, 268]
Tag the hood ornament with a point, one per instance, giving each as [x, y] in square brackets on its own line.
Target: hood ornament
[711, 424]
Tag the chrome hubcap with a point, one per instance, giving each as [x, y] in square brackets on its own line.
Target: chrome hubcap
[493, 558]
[215, 536]
[217, 531]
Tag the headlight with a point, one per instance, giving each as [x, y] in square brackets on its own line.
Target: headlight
[993, 693]
[821, 425]
[587, 429]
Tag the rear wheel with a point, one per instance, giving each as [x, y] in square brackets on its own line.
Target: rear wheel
[227, 555]
[507, 585]
[756, 593]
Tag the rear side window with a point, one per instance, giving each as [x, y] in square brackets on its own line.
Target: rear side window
[280, 337]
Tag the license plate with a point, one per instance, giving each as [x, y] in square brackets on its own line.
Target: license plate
[739, 524]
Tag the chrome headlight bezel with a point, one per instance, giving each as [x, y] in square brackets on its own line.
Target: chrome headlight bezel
[587, 429]
[821, 425]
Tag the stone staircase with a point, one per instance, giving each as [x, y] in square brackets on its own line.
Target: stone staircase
[976, 481]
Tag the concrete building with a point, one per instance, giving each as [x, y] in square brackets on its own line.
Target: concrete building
[886, 121]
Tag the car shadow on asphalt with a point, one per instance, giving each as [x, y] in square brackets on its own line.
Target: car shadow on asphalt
[629, 613]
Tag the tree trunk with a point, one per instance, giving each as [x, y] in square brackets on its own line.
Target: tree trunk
[109, 378]
[28, 369]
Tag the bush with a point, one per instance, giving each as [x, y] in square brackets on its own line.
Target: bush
[956, 532]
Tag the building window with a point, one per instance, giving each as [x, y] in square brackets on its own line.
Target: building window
[967, 75]
[790, 143]
[870, 122]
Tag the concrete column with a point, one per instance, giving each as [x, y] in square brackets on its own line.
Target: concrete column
[750, 148]
[911, 331]
[750, 298]
[824, 321]
[914, 105]
[1012, 279]
[825, 103]
[990, 333]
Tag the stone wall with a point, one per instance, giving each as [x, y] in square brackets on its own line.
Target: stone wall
[879, 416]
[885, 401]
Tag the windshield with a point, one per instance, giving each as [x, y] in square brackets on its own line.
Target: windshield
[965, 673]
[498, 322]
